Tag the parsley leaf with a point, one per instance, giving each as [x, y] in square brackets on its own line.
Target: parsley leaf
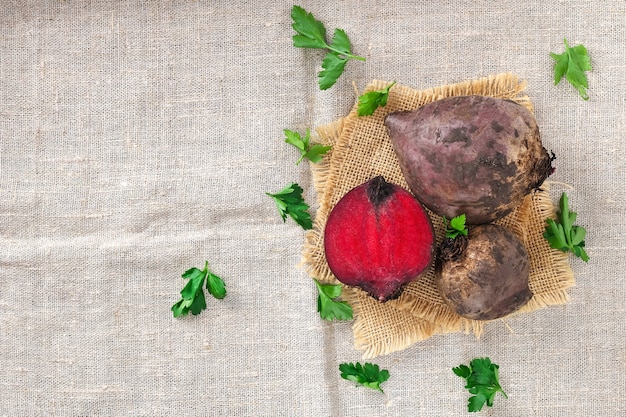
[332, 67]
[312, 152]
[215, 285]
[573, 63]
[328, 308]
[563, 235]
[341, 43]
[481, 377]
[369, 102]
[311, 33]
[193, 294]
[456, 226]
[368, 375]
[290, 203]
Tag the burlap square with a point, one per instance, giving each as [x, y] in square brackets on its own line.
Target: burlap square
[362, 150]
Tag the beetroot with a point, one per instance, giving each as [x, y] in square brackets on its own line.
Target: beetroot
[378, 237]
[475, 155]
[484, 276]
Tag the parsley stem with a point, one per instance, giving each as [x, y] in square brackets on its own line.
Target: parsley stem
[360, 58]
[346, 54]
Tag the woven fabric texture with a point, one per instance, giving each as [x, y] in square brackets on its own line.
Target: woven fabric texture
[138, 139]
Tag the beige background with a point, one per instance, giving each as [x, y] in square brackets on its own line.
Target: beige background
[138, 139]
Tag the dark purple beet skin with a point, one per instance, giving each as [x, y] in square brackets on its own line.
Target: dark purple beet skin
[472, 155]
[487, 276]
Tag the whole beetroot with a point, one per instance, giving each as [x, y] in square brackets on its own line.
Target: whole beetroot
[378, 237]
[484, 276]
[475, 155]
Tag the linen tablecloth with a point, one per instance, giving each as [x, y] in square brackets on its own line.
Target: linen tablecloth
[138, 140]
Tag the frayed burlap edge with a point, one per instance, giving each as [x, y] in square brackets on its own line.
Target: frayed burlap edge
[401, 323]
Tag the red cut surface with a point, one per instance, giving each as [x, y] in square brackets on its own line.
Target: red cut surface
[378, 245]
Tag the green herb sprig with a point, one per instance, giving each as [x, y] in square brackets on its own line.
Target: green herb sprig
[328, 307]
[313, 152]
[290, 202]
[573, 63]
[369, 102]
[563, 235]
[456, 226]
[482, 381]
[193, 299]
[311, 33]
[368, 375]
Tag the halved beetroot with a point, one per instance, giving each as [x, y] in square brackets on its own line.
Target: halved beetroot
[378, 237]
